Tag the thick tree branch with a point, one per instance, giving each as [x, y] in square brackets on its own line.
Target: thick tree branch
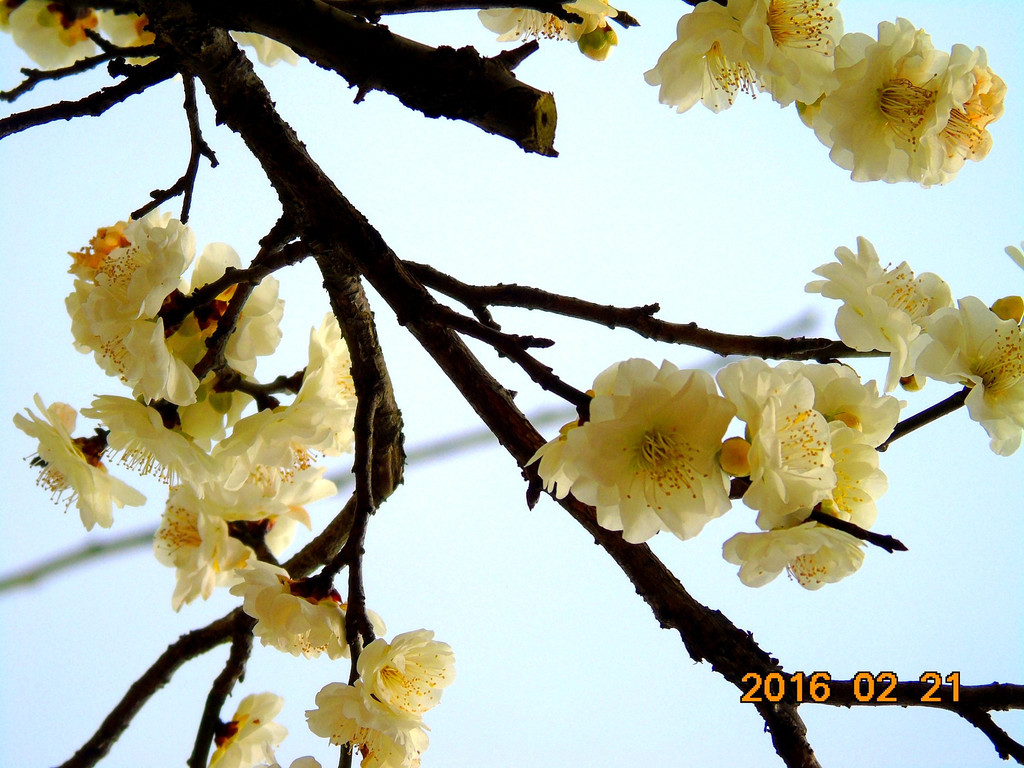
[439, 82]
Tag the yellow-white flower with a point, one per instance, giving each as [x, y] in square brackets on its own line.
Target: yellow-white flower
[791, 466]
[839, 395]
[780, 46]
[72, 465]
[124, 276]
[409, 674]
[966, 135]
[646, 458]
[558, 474]
[53, 36]
[859, 480]
[257, 329]
[295, 616]
[519, 23]
[882, 309]
[347, 715]
[250, 737]
[199, 546]
[890, 100]
[972, 345]
[146, 445]
[268, 51]
[798, 38]
[813, 554]
[709, 61]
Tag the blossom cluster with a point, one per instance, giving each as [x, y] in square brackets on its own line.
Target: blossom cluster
[239, 478]
[380, 715]
[893, 108]
[973, 344]
[56, 35]
[187, 419]
[653, 453]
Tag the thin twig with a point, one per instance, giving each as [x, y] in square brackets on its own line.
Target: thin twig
[889, 543]
[234, 670]
[186, 184]
[640, 319]
[94, 104]
[186, 648]
[35, 76]
[928, 415]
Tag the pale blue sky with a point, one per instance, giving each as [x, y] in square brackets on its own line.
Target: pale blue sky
[720, 218]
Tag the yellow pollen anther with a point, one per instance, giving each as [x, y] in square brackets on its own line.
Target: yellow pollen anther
[905, 106]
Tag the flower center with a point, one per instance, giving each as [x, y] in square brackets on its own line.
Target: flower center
[731, 77]
[905, 107]
[801, 23]
[1004, 366]
[901, 290]
[801, 442]
[665, 463]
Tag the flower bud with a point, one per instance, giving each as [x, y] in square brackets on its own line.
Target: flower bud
[849, 419]
[598, 44]
[911, 383]
[735, 457]
[1009, 308]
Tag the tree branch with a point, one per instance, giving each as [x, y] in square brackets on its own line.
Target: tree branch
[459, 84]
[640, 320]
[188, 646]
[187, 182]
[234, 670]
[94, 104]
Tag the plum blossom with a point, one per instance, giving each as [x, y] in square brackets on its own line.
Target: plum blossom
[72, 465]
[783, 47]
[251, 736]
[145, 444]
[409, 674]
[791, 465]
[52, 35]
[882, 308]
[297, 617]
[198, 546]
[840, 395]
[123, 279]
[267, 50]
[347, 715]
[519, 23]
[973, 346]
[897, 109]
[813, 554]
[646, 458]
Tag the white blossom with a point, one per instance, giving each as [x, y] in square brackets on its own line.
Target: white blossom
[882, 309]
[138, 434]
[250, 737]
[520, 23]
[293, 616]
[971, 345]
[50, 36]
[346, 714]
[646, 458]
[791, 467]
[198, 546]
[813, 554]
[72, 465]
[891, 100]
[409, 674]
